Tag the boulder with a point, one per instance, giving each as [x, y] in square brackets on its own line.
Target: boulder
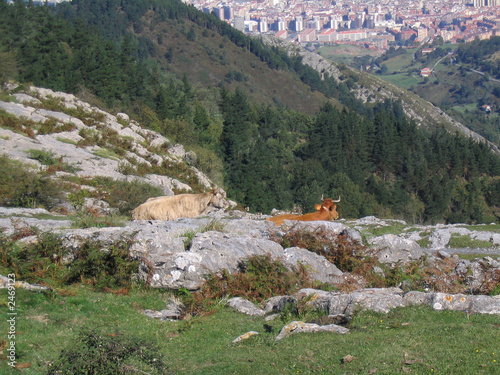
[245, 336]
[391, 249]
[301, 327]
[209, 252]
[244, 306]
[318, 266]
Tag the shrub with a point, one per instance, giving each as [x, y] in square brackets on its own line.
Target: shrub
[124, 195]
[109, 353]
[257, 279]
[102, 266]
[339, 249]
[45, 261]
[44, 157]
[36, 262]
[22, 188]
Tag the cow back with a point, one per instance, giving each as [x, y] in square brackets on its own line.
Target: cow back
[178, 206]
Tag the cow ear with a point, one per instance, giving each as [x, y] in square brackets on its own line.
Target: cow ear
[318, 207]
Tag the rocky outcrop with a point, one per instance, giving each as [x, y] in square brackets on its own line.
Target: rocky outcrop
[340, 307]
[82, 137]
[179, 254]
[383, 300]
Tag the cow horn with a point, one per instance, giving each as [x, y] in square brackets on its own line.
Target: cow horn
[336, 201]
[322, 195]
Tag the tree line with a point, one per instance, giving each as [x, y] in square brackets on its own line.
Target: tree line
[266, 156]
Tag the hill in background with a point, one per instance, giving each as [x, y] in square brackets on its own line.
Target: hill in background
[383, 151]
[464, 81]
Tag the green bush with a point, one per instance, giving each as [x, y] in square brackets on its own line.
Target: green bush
[20, 187]
[125, 195]
[102, 266]
[102, 353]
[258, 278]
[44, 261]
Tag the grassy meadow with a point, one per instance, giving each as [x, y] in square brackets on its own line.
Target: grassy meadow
[414, 340]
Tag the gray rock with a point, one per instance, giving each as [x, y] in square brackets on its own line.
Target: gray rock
[5, 282]
[98, 207]
[12, 225]
[440, 237]
[315, 298]
[244, 306]
[340, 303]
[26, 99]
[415, 298]
[301, 327]
[376, 299]
[332, 227]
[279, 303]
[209, 252]
[444, 254]
[485, 305]
[318, 266]
[23, 212]
[123, 117]
[456, 302]
[391, 249]
[173, 311]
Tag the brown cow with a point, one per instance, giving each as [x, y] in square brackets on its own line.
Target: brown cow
[181, 205]
[324, 211]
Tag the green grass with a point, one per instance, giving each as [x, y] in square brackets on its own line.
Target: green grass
[402, 79]
[484, 228]
[414, 340]
[458, 241]
[66, 140]
[380, 230]
[399, 62]
[107, 154]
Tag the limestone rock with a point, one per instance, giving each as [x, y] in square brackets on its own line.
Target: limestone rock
[245, 336]
[391, 249]
[278, 303]
[319, 267]
[244, 306]
[301, 327]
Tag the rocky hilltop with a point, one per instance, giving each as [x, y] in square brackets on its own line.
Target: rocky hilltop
[91, 142]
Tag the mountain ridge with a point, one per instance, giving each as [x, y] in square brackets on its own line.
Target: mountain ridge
[374, 89]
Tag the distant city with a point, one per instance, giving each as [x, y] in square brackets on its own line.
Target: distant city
[375, 24]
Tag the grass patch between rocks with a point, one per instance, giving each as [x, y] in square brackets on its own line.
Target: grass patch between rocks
[458, 241]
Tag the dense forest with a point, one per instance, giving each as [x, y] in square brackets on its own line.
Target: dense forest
[475, 53]
[266, 156]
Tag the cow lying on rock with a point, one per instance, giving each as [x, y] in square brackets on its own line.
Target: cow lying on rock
[181, 205]
[325, 211]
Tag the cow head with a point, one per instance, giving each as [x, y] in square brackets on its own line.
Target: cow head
[330, 206]
[218, 199]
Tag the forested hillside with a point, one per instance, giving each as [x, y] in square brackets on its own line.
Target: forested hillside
[464, 79]
[272, 146]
